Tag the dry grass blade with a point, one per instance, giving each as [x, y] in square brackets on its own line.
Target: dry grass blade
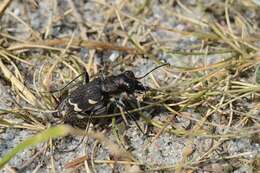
[198, 112]
[92, 44]
[7, 55]
[112, 147]
[34, 33]
[30, 98]
[4, 5]
[75, 162]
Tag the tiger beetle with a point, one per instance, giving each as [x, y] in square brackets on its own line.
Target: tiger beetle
[93, 97]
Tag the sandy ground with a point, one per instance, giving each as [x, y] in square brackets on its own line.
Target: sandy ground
[167, 149]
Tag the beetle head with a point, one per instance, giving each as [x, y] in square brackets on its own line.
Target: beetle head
[128, 83]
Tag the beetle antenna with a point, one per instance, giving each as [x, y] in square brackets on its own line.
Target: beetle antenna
[152, 70]
[57, 90]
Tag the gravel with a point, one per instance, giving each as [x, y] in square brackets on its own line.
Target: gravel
[167, 149]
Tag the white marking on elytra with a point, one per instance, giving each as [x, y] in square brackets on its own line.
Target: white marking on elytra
[92, 101]
[75, 106]
[63, 113]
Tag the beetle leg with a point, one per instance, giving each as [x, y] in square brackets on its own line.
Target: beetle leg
[131, 116]
[86, 77]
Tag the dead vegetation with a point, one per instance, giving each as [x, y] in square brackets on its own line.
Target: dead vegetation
[214, 53]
